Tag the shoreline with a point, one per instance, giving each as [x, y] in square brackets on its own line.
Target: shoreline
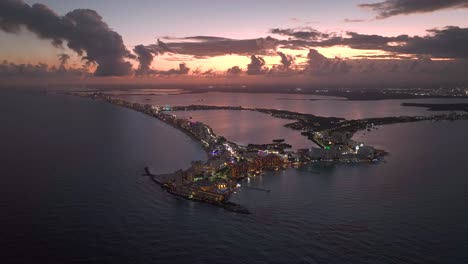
[351, 92]
[228, 163]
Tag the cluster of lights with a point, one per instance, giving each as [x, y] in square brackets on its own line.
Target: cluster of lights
[359, 146]
[229, 149]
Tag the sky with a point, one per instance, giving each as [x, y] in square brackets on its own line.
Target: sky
[251, 41]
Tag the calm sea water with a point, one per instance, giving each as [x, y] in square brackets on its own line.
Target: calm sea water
[244, 127]
[311, 104]
[72, 191]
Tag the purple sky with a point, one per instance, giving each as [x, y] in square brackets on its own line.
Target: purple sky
[144, 22]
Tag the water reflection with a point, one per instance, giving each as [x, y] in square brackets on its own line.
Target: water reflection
[244, 127]
[311, 104]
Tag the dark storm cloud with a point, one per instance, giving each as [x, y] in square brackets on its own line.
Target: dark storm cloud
[82, 29]
[390, 8]
[206, 46]
[286, 60]
[145, 58]
[256, 66]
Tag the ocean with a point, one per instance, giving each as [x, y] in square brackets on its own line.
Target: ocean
[73, 191]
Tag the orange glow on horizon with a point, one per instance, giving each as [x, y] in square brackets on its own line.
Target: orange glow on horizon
[347, 52]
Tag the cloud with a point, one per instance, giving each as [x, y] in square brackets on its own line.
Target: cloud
[40, 70]
[321, 65]
[305, 33]
[160, 48]
[85, 32]
[347, 20]
[316, 61]
[256, 66]
[286, 60]
[235, 70]
[202, 38]
[209, 46]
[448, 42]
[145, 58]
[362, 41]
[390, 8]
[207, 73]
[182, 70]
[63, 59]
[383, 56]
[82, 29]
[12, 69]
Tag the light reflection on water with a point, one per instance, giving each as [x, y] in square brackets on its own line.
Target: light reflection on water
[244, 127]
[72, 191]
[319, 105]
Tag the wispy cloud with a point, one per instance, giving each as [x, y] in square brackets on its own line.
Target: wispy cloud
[448, 42]
[390, 8]
[211, 46]
[304, 33]
[347, 20]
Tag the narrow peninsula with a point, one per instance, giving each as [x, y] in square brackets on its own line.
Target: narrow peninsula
[215, 180]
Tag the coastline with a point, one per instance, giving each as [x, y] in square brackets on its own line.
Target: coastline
[171, 177]
[333, 135]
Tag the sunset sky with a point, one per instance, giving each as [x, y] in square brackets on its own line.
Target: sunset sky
[299, 38]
